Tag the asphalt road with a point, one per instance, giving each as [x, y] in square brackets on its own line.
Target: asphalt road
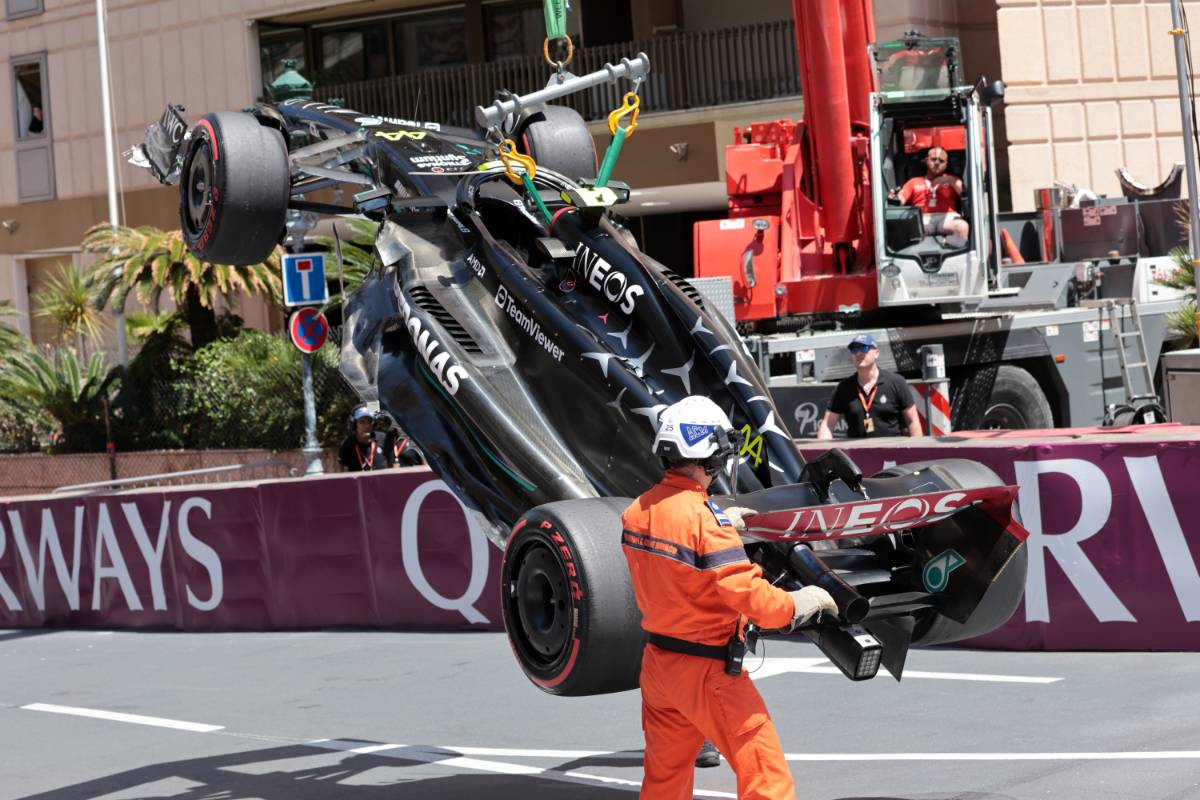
[366, 716]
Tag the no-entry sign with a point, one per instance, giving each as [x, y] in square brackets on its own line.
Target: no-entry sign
[309, 330]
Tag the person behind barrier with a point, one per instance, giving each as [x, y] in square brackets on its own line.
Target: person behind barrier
[362, 450]
[401, 450]
[696, 588]
[938, 194]
[873, 401]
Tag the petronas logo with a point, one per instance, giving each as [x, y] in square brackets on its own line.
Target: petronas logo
[936, 575]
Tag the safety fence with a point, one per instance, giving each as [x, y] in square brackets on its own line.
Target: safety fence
[1112, 556]
[744, 64]
[385, 549]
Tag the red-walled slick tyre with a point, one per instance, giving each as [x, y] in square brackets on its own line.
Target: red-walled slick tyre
[233, 189]
[569, 607]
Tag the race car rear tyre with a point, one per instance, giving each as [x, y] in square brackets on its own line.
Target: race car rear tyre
[569, 607]
[557, 138]
[234, 189]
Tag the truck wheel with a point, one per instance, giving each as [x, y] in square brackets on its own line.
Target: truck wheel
[234, 190]
[1017, 402]
[557, 138]
[569, 607]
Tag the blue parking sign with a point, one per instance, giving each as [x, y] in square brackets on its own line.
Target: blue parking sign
[304, 279]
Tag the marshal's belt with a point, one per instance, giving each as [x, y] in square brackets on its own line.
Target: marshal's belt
[716, 651]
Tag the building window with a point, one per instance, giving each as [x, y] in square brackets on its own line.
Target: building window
[274, 46]
[514, 30]
[15, 9]
[353, 54]
[31, 115]
[429, 41]
[27, 85]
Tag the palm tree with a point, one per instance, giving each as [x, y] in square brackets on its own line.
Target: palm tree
[11, 340]
[151, 261]
[66, 298]
[72, 393]
[1183, 321]
[358, 256]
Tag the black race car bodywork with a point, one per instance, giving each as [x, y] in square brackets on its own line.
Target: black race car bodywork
[530, 361]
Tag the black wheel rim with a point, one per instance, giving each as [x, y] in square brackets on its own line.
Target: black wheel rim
[199, 188]
[540, 598]
[1004, 416]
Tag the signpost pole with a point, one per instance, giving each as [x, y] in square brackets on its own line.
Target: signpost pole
[1184, 79]
[312, 448]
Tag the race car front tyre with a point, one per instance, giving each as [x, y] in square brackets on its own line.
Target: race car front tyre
[557, 138]
[234, 189]
[568, 602]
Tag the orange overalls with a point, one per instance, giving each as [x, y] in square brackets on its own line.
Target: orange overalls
[692, 580]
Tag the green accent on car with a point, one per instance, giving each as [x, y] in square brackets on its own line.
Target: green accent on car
[507, 470]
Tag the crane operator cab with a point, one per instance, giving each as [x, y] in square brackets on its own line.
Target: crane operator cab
[933, 195]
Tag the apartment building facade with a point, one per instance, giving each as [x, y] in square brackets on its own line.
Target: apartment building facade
[1076, 110]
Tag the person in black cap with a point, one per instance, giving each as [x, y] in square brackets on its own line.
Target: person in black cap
[362, 450]
[873, 401]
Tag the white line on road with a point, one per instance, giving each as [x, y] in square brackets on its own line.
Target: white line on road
[445, 757]
[820, 666]
[1133, 755]
[116, 716]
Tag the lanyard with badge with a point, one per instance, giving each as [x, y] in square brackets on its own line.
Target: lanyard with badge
[365, 464]
[868, 423]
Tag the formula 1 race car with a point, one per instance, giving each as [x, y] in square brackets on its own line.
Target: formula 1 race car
[517, 333]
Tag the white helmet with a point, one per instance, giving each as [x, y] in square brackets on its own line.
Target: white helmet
[696, 429]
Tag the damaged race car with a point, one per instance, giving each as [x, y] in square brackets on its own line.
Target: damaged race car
[517, 333]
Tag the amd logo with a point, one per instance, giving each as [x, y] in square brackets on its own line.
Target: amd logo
[610, 282]
[448, 372]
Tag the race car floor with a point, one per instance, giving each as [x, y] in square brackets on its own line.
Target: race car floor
[367, 716]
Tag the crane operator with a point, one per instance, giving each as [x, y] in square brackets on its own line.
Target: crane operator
[696, 587]
[938, 194]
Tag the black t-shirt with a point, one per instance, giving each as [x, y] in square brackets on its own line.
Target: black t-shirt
[891, 397]
[357, 456]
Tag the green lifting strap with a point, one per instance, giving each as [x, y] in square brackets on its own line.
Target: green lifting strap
[556, 18]
[610, 158]
[537, 198]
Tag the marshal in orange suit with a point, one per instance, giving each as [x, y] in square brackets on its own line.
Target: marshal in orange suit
[695, 588]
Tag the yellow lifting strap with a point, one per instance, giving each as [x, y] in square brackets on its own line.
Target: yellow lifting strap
[508, 154]
[546, 52]
[629, 106]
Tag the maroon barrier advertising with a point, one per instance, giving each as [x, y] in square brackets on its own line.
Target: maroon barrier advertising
[1114, 544]
[384, 549]
[1114, 549]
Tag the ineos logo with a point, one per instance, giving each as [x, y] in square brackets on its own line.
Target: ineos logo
[411, 553]
[612, 283]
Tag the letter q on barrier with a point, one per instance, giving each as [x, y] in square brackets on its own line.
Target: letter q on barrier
[411, 554]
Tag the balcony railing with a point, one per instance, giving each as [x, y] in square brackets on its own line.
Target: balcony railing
[688, 70]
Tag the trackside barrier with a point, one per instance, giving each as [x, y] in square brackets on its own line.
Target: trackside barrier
[386, 549]
[1113, 548]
